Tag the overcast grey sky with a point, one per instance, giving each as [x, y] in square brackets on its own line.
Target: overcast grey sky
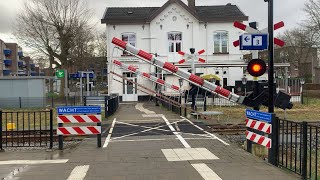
[289, 11]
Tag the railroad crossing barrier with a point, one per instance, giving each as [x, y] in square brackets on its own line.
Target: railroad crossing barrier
[265, 123]
[78, 114]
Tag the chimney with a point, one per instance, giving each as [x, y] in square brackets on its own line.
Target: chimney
[192, 4]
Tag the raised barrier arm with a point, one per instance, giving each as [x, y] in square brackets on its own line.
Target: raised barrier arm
[196, 80]
[145, 75]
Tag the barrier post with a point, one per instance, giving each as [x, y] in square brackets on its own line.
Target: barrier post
[60, 137]
[274, 150]
[79, 114]
[51, 129]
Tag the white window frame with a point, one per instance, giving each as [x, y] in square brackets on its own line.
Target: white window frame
[174, 41]
[129, 41]
[220, 42]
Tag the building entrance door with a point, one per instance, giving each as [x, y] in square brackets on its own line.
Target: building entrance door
[129, 88]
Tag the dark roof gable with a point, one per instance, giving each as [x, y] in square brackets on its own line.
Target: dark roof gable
[129, 15]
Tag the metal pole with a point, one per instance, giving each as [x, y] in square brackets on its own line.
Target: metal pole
[88, 80]
[156, 88]
[193, 69]
[286, 79]
[271, 54]
[51, 129]
[66, 85]
[60, 138]
[81, 93]
[304, 149]
[273, 151]
[99, 136]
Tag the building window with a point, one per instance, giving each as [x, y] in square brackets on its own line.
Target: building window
[220, 42]
[175, 41]
[129, 38]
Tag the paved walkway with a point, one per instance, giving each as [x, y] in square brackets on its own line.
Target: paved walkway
[144, 143]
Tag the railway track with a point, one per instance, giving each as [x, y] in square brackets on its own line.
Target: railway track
[224, 129]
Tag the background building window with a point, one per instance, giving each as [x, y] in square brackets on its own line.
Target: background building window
[175, 41]
[130, 38]
[220, 42]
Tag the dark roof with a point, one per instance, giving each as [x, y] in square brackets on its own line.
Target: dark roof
[220, 13]
[131, 15]
[139, 14]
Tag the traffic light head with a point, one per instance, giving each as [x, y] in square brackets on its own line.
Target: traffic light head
[256, 67]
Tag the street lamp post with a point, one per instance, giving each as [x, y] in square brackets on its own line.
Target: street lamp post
[302, 81]
[244, 80]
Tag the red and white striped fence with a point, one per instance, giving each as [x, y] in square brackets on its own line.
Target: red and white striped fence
[78, 114]
[258, 125]
[259, 139]
[79, 118]
[81, 130]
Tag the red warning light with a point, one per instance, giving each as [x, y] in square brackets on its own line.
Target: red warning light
[256, 67]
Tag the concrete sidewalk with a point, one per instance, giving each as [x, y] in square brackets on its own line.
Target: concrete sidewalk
[148, 142]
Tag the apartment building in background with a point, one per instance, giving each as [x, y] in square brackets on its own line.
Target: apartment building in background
[14, 63]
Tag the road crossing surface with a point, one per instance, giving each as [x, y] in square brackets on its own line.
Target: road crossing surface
[144, 142]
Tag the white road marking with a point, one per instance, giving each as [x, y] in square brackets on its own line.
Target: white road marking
[140, 107]
[177, 127]
[79, 172]
[110, 133]
[144, 140]
[150, 129]
[135, 125]
[57, 161]
[212, 135]
[15, 172]
[206, 172]
[138, 140]
[184, 142]
[188, 154]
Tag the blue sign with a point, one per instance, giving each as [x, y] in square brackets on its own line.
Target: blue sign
[78, 75]
[254, 42]
[79, 109]
[258, 115]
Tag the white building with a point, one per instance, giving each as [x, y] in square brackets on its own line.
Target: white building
[166, 30]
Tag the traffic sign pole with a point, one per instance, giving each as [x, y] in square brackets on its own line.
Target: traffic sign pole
[271, 55]
[273, 152]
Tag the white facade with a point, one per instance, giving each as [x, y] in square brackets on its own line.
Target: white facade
[153, 37]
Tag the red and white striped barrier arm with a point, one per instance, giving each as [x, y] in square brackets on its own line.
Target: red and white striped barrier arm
[259, 139]
[258, 125]
[79, 118]
[147, 76]
[147, 57]
[81, 130]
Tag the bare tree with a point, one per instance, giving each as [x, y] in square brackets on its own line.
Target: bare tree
[56, 28]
